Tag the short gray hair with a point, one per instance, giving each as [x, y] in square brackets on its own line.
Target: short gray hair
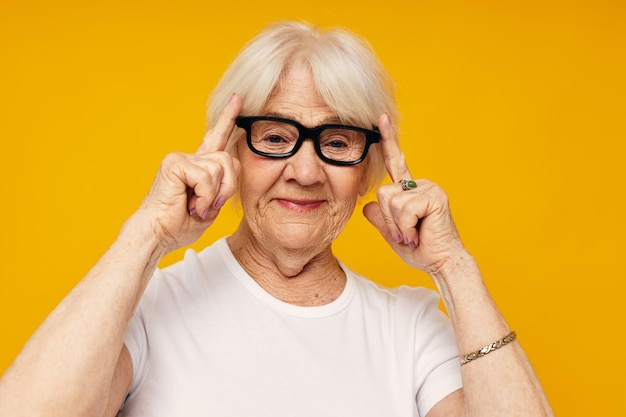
[347, 74]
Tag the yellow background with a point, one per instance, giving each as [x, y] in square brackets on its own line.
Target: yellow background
[515, 108]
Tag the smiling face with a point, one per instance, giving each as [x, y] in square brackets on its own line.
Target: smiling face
[300, 202]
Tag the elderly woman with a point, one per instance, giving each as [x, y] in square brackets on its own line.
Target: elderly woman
[267, 322]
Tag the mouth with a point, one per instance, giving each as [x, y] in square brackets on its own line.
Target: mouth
[301, 206]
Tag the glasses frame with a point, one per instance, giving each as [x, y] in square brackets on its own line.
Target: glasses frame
[304, 133]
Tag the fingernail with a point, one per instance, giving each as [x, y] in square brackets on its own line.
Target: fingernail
[220, 202]
[389, 118]
[396, 237]
[406, 240]
[204, 214]
[192, 211]
[231, 97]
[412, 245]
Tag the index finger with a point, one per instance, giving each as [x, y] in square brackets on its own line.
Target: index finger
[393, 155]
[215, 138]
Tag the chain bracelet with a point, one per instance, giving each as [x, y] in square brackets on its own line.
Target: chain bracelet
[487, 349]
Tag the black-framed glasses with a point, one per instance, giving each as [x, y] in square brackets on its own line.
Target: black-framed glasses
[276, 137]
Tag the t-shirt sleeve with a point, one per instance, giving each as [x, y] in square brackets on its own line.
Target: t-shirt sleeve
[437, 369]
[442, 381]
[136, 339]
[136, 342]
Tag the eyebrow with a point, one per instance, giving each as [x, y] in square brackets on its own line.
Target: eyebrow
[331, 120]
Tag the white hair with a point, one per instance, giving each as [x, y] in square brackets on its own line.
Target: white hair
[346, 73]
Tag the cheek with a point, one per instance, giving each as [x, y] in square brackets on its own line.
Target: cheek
[254, 181]
[256, 178]
[346, 182]
[249, 167]
[345, 188]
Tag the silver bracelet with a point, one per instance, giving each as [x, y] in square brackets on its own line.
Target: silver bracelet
[487, 349]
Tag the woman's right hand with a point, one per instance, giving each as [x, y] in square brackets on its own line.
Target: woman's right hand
[70, 367]
[190, 189]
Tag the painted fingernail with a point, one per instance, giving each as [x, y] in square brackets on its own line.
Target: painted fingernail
[396, 237]
[220, 203]
[231, 97]
[406, 240]
[412, 245]
[204, 214]
[192, 211]
[389, 117]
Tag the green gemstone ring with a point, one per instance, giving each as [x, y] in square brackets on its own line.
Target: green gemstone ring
[407, 184]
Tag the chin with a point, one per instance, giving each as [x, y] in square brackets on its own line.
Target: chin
[298, 237]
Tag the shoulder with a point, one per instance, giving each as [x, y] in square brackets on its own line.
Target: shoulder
[412, 303]
[193, 275]
[207, 260]
[403, 295]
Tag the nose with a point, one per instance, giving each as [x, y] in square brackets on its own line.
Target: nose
[305, 166]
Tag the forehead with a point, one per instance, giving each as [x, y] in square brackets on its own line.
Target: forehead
[296, 98]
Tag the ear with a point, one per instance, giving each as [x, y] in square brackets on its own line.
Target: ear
[364, 186]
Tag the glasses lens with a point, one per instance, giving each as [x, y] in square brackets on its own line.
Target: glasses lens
[272, 137]
[342, 144]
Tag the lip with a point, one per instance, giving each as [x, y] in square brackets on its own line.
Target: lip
[301, 206]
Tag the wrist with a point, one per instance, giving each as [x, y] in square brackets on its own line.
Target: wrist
[458, 265]
[139, 234]
[473, 312]
[459, 281]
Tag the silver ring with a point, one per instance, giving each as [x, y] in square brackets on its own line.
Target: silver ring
[407, 184]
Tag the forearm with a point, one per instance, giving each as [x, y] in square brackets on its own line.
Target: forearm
[66, 368]
[502, 382]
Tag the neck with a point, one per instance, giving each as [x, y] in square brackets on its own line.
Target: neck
[305, 277]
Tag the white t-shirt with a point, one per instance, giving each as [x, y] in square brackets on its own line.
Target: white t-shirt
[207, 340]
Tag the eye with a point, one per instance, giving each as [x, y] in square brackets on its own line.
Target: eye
[278, 141]
[337, 139]
[272, 137]
[337, 144]
[275, 139]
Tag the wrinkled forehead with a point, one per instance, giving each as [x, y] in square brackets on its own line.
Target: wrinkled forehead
[302, 96]
[296, 97]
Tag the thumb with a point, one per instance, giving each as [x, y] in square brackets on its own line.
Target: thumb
[374, 215]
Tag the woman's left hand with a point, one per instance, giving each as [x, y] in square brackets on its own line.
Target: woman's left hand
[417, 222]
